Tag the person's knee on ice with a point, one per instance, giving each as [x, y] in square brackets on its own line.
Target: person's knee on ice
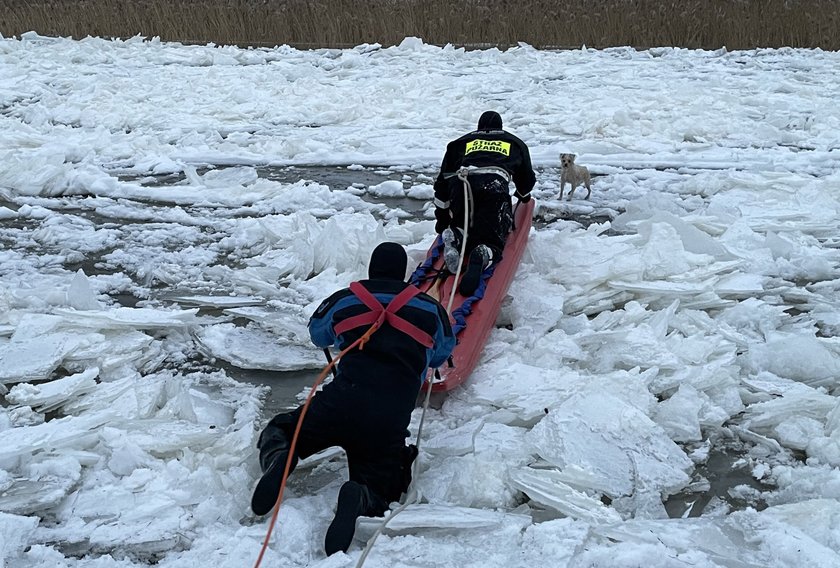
[354, 500]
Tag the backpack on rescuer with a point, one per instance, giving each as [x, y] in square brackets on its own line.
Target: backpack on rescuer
[379, 314]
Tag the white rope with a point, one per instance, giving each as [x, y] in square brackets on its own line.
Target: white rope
[462, 175]
[412, 496]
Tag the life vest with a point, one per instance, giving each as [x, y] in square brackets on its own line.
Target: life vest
[379, 314]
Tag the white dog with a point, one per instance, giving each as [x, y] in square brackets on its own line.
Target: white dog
[574, 175]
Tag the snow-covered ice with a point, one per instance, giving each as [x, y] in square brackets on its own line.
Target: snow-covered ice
[169, 213]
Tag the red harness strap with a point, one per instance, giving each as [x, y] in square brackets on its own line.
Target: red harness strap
[379, 314]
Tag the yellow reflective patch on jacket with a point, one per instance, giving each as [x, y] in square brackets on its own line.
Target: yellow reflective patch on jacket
[480, 145]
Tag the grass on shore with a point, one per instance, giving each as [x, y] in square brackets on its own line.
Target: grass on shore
[707, 24]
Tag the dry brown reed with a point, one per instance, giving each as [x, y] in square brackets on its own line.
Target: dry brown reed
[708, 24]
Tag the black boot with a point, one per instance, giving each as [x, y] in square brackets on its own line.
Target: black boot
[353, 501]
[479, 260]
[274, 451]
[268, 487]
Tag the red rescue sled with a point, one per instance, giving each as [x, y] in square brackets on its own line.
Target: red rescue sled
[473, 318]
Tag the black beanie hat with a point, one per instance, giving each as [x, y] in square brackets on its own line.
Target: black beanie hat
[490, 120]
[389, 261]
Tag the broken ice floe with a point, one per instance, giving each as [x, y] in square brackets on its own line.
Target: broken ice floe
[254, 348]
[108, 339]
[420, 517]
[549, 488]
[48, 396]
[138, 458]
[218, 301]
[624, 450]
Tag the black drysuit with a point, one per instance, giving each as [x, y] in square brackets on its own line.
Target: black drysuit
[492, 216]
[367, 407]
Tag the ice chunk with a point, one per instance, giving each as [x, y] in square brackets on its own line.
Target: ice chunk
[693, 239]
[254, 348]
[548, 488]
[797, 432]
[740, 285]
[720, 543]
[59, 434]
[537, 305]
[679, 414]
[390, 188]
[767, 415]
[219, 301]
[799, 357]
[16, 533]
[43, 486]
[470, 480]
[457, 442]
[617, 443]
[46, 397]
[80, 295]
[132, 318]
[34, 359]
[432, 517]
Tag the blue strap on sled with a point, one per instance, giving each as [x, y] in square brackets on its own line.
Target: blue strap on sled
[422, 272]
[459, 315]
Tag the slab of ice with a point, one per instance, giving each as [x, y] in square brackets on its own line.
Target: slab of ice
[15, 534]
[254, 348]
[34, 359]
[663, 287]
[44, 485]
[219, 301]
[765, 416]
[548, 488]
[457, 442]
[390, 188]
[693, 239]
[617, 443]
[46, 397]
[421, 517]
[719, 543]
[116, 353]
[740, 285]
[55, 435]
[799, 357]
[133, 318]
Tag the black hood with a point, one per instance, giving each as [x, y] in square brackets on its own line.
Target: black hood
[490, 120]
[388, 261]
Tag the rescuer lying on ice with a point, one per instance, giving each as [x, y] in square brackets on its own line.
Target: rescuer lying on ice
[367, 407]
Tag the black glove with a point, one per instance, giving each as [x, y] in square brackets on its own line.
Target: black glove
[442, 220]
[524, 198]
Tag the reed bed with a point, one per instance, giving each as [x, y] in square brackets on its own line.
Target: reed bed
[706, 24]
